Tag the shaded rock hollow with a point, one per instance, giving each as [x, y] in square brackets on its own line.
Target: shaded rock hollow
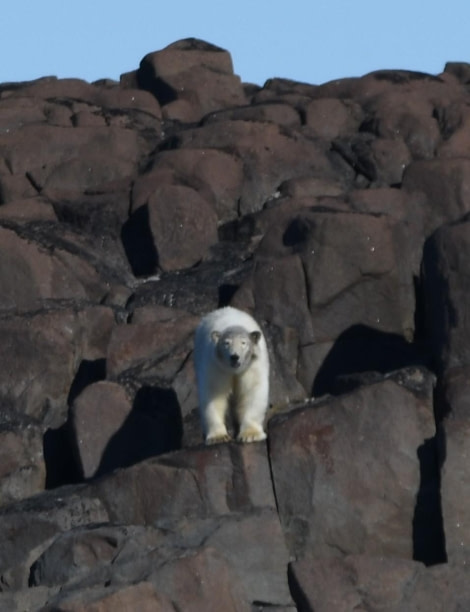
[337, 215]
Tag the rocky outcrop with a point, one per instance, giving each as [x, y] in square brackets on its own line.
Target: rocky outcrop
[336, 214]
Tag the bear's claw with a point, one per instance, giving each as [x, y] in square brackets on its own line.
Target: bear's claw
[218, 439]
[251, 435]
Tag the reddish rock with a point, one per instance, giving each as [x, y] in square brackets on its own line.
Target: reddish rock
[148, 345]
[371, 582]
[40, 359]
[446, 187]
[110, 98]
[331, 118]
[203, 581]
[455, 449]
[130, 209]
[15, 112]
[347, 481]
[413, 121]
[409, 208]
[457, 141]
[29, 530]
[15, 187]
[179, 215]
[141, 596]
[341, 282]
[214, 174]
[30, 209]
[193, 72]
[390, 158]
[44, 147]
[271, 155]
[86, 174]
[29, 274]
[22, 467]
[447, 295]
[233, 509]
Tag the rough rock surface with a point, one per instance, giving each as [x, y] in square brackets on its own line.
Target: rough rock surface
[338, 215]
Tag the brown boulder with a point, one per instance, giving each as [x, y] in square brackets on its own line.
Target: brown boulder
[217, 176]
[141, 596]
[347, 479]
[447, 294]
[238, 481]
[454, 451]
[446, 187]
[22, 467]
[155, 348]
[271, 154]
[29, 529]
[175, 215]
[351, 266]
[40, 358]
[331, 118]
[30, 275]
[378, 583]
[44, 147]
[191, 78]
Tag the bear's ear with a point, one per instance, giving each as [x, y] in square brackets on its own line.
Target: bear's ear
[255, 336]
[215, 336]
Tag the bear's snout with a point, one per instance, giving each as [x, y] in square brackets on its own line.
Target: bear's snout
[234, 360]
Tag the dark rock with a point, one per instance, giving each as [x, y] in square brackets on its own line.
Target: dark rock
[375, 582]
[445, 185]
[214, 174]
[29, 275]
[142, 596]
[271, 154]
[332, 118]
[447, 295]
[22, 467]
[190, 79]
[335, 468]
[454, 449]
[336, 214]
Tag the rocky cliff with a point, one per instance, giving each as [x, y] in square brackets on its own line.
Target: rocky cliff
[338, 215]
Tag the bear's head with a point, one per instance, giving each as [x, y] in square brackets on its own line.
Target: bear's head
[236, 347]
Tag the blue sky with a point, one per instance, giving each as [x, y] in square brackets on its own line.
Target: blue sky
[312, 41]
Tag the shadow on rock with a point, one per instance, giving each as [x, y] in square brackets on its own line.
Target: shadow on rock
[138, 243]
[154, 426]
[359, 354]
[428, 528]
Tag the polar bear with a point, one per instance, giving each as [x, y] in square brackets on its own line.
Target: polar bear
[232, 365]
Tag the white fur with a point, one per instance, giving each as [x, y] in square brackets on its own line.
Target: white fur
[248, 385]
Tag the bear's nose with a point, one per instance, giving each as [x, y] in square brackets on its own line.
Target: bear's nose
[234, 359]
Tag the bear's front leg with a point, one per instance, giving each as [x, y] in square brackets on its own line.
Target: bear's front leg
[214, 419]
[251, 401]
